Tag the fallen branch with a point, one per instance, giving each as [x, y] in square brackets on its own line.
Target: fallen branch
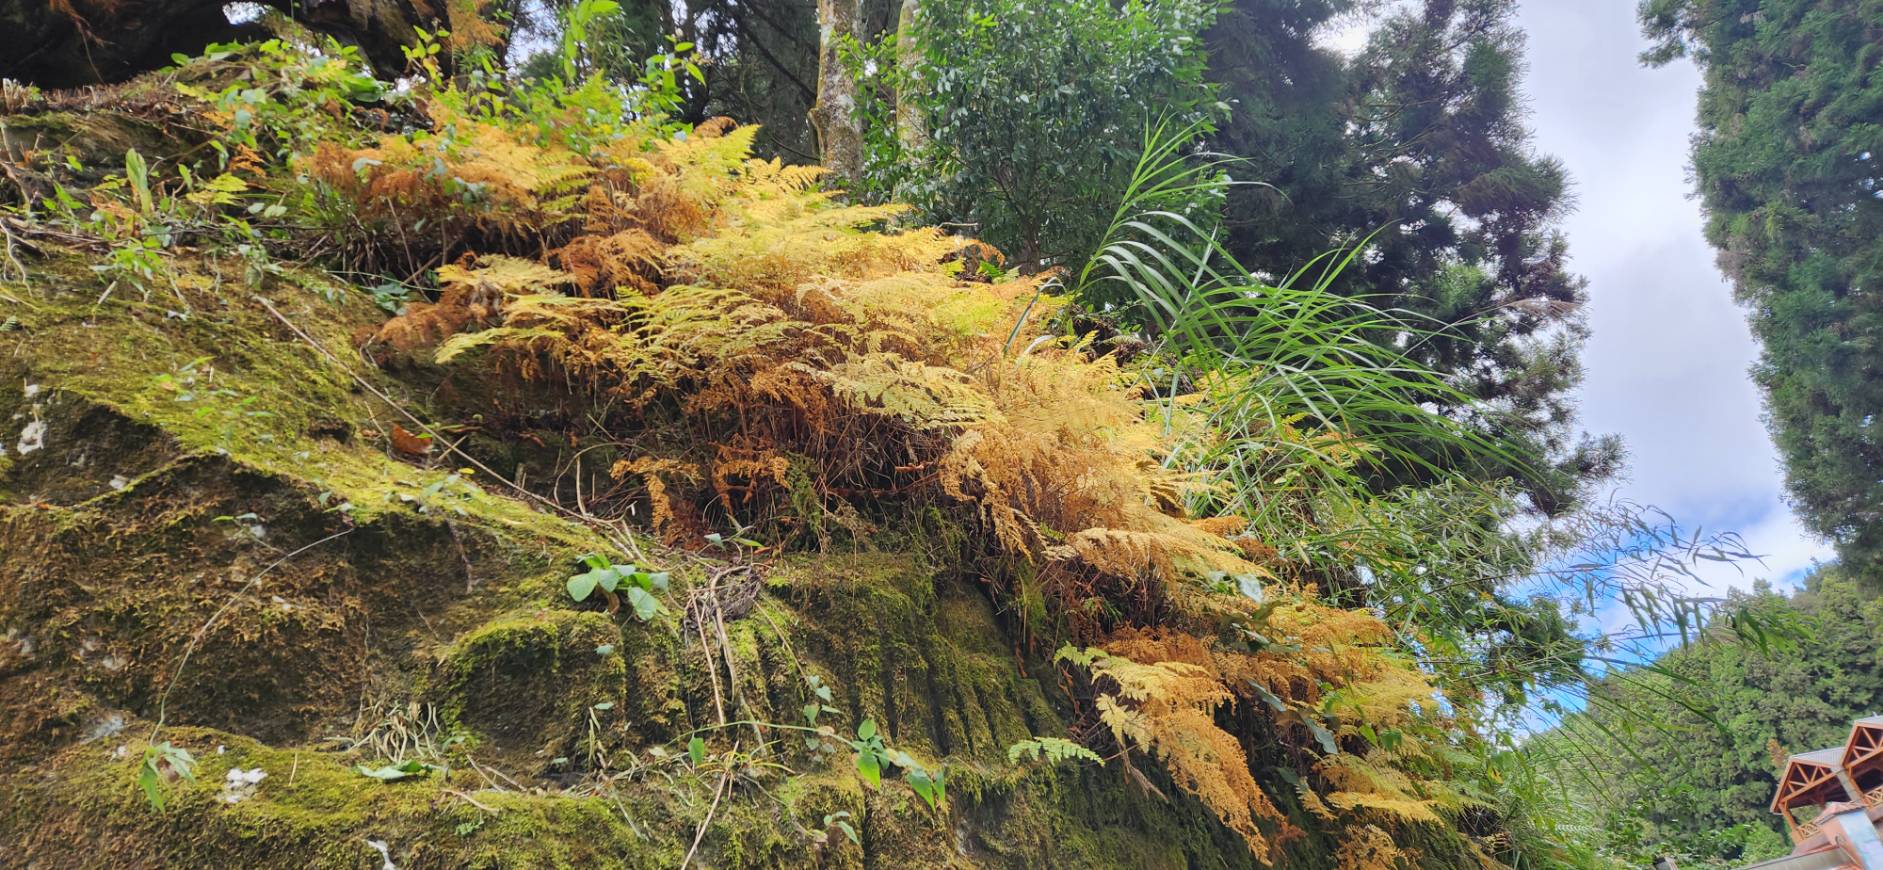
[472, 801]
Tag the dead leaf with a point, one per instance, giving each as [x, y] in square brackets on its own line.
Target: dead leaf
[409, 443]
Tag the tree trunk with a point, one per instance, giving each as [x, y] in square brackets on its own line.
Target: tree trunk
[833, 116]
[911, 127]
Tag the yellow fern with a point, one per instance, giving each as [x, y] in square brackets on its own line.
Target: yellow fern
[1372, 784]
[508, 276]
[828, 366]
[921, 395]
[1370, 848]
[1164, 709]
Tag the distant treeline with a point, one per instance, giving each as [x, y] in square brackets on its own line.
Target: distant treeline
[1683, 762]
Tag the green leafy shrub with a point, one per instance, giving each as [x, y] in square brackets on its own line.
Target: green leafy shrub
[639, 587]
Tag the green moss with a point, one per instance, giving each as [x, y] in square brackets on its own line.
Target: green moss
[217, 373]
[531, 683]
[931, 664]
[96, 138]
[311, 810]
[202, 459]
[174, 425]
[655, 697]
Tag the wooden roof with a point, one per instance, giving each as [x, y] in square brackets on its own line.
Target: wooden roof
[1810, 779]
[1831, 756]
[1834, 775]
[1865, 744]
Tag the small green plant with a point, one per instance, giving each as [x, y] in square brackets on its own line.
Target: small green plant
[639, 586]
[285, 96]
[445, 492]
[819, 706]
[736, 543]
[840, 820]
[233, 415]
[394, 772]
[592, 747]
[164, 764]
[392, 296]
[577, 20]
[140, 215]
[1053, 749]
[872, 755]
[137, 173]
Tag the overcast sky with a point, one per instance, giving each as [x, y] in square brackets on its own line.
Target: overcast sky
[1668, 361]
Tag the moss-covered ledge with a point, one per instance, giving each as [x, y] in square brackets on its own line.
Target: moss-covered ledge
[190, 457]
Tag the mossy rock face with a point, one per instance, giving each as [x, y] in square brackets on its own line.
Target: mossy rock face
[211, 530]
[115, 591]
[529, 683]
[927, 660]
[309, 811]
[308, 606]
[94, 139]
[64, 456]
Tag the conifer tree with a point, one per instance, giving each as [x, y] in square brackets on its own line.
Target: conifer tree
[1417, 145]
[1788, 164]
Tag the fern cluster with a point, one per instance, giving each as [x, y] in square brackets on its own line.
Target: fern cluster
[826, 367]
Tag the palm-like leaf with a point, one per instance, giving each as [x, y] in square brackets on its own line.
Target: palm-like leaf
[1301, 357]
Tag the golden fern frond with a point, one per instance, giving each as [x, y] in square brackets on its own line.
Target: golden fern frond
[1370, 848]
[750, 461]
[715, 150]
[1164, 709]
[1220, 526]
[1389, 696]
[1371, 784]
[924, 396]
[1209, 763]
[791, 178]
[630, 258]
[508, 276]
[657, 475]
[468, 27]
[1129, 727]
[1311, 801]
[1388, 806]
[1172, 548]
[464, 343]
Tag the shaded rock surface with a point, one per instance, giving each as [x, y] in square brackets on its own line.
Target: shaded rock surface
[204, 526]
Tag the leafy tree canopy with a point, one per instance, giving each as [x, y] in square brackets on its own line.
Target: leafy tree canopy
[1030, 113]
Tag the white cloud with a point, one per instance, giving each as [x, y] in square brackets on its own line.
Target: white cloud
[1668, 362]
[1667, 365]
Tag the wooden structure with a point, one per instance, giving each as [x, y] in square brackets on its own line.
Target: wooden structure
[1848, 775]
[1863, 753]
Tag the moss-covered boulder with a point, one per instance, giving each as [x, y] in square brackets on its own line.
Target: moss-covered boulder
[213, 541]
[530, 682]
